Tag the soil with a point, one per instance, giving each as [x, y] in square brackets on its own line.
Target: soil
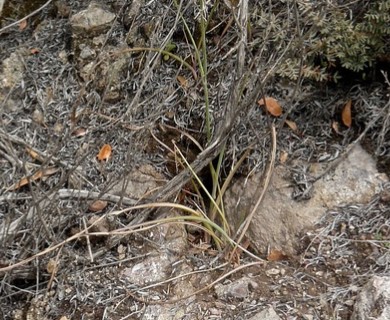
[54, 121]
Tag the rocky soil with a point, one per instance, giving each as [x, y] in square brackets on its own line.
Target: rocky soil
[93, 116]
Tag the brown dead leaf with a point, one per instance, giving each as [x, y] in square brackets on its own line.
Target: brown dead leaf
[24, 181]
[51, 266]
[276, 255]
[293, 126]
[346, 115]
[34, 155]
[37, 175]
[104, 153]
[272, 105]
[97, 205]
[22, 24]
[182, 81]
[283, 157]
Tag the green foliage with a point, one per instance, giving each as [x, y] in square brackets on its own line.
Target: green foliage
[327, 35]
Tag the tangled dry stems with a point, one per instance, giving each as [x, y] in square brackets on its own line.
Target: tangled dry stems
[40, 215]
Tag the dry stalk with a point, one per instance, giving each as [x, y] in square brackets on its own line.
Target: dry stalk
[245, 225]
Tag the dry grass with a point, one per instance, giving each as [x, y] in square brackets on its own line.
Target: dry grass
[46, 219]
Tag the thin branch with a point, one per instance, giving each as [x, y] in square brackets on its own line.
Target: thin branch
[245, 225]
[26, 17]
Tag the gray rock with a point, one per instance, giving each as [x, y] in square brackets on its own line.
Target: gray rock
[373, 302]
[92, 21]
[13, 69]
[171, 237]
[108, 73]
[89, 32]
[156, 312]
[139, 182]
[152, 269]
[355, 180]
[266, 314]
[240, 289]
[279, 219]
[87, 52]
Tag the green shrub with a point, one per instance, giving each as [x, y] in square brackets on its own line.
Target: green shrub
[351, 35]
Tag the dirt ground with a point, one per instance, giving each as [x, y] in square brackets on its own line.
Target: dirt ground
[56, 117]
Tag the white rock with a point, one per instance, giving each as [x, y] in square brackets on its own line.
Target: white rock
[152, 269]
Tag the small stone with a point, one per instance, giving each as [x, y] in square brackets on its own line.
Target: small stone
[63, 56]
[58, 128]
[87, 53]
[63, 8]
[98, 224]
[92, 21]
[215, 312]
[38, 117]
[18, 314]
[267, 314]
[152, 269]
[272, 272]
[349, 302]
[238, 289]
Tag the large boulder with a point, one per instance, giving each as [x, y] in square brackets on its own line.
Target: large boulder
[373, 302]
[280, 219]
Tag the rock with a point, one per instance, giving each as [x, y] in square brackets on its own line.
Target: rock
[139, 182]
[63, 9]
[355, 180]
[99, 224]
[92, 21]
[87, 52]
[153, 269]
[373, 302]
[94, 58]
[279, 219]
[272, 272]
[37, 308]
[156, 312]
[238, 289]
[108, 73]
[171, 237]
[266, 314]
[133, 11]
[13, 69]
